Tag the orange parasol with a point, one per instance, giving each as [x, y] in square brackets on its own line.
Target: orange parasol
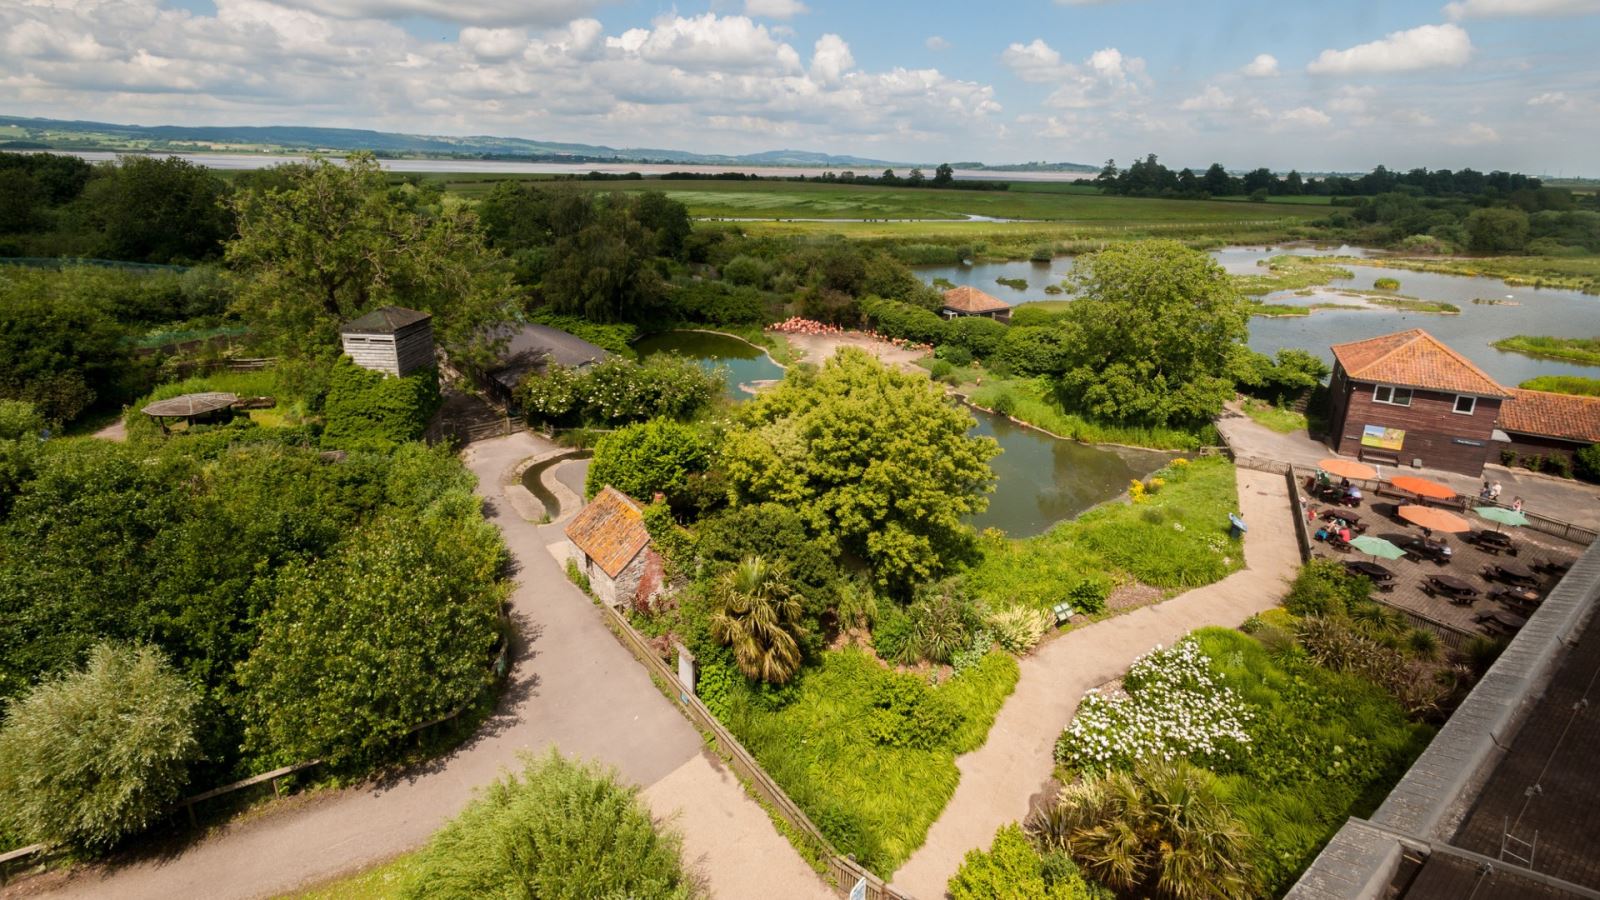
[1422, 487]
[1347, 468]
[1434, 519]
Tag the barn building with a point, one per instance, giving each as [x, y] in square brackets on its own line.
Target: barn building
[390, 339]
[527, 349]
[1543, 425]
[611, 547]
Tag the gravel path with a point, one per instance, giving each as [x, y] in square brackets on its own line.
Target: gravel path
[1000, 780]
[572, 686]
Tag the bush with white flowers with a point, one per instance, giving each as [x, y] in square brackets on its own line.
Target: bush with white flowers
[1174, 706]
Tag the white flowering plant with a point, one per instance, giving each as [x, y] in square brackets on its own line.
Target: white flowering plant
[1173, 706]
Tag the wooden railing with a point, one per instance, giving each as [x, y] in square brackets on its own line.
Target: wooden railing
[841, 872]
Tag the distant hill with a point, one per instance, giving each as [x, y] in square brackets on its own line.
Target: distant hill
[76, 135]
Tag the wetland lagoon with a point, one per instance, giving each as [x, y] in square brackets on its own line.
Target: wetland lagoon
[1039, 480]
[1502, 310]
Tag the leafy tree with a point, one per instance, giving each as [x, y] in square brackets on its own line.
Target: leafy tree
[158, 210]
[658, 455]
[877, 462]
[338, 243]
[1012, 870]
[943, 175]
[21, 430]
[374, 412]
[97, 754]
[758, 615]
[1161, 831]
[1155, 333]
[773, 532]
[1217, 182]
[561, 831]
[393, 631]
[59, 349]
[1032, 350]
[1497, 230]
[1282, 378]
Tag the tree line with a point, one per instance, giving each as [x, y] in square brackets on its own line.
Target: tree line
[1148, 177]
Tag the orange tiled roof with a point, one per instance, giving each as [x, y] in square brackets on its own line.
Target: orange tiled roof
[1542, 413]
[969, 299]
[610, 529]
[1415, 359]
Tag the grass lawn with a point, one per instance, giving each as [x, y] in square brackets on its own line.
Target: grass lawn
[1283, 421]
[1288, 273]
[1583, 351]
[1564, 384]
[1031, 402]
[381, 882]
[870, 798]
[1175, 539]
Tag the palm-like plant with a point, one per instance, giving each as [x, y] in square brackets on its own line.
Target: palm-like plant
[1159, 831]
[758, 615]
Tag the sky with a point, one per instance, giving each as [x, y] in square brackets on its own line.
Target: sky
[1335, 85]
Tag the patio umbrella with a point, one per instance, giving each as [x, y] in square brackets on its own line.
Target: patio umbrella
[1501, 516]
[1422, 487]
[1347, 468]
[1434, 519]
[1377, 546]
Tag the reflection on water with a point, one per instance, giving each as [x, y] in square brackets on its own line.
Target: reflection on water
[741, 363]
[1524, 311]
[1040, 480]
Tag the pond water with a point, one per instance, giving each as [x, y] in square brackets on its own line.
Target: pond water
[570, 470]
[1039, 480]
[1518, 310]
[741, 363]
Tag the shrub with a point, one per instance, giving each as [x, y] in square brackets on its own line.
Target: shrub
[953, 355]
[979, 335]
[940, 370]
[907, 713]
[717, 303]
[942, 621]
[1004, 403]
[1089, 596]
[99, 753]
[658, 455]
[561, 830]
[748, 270]
[618, 391]
[1586, 463]
[618, 337]
[1387, 284]
[374, 412]
[1032, 350]
[892, 635]
[395, 629]
[902, 320]
[1323, 588]
[1558, 465]
[1509, 457]
[1020, 628]
[1012, 870]
[712, 684]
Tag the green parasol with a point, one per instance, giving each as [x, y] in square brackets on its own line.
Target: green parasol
[1377, 546]
[1501, 516]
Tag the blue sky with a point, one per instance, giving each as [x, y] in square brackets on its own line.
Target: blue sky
[1317, 86]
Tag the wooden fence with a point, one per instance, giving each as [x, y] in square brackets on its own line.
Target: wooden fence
[841, 872]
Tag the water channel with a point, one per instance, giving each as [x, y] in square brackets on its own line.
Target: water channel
[1039, 480]
[1517, 310]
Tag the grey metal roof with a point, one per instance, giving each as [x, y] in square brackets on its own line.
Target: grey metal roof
[186, 405]
[384, 320]
[529, 348]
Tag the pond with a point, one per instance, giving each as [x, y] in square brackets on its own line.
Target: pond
[741, 363]
[570, 469]
[1039, 480]
[1517, 310]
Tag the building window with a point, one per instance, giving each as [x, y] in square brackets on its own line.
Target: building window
[1466, 405]
[1391, 395]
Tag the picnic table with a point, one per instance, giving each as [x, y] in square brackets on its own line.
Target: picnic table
[1554, 567]
[1382, 578]
[1510, 573]
[1350, 519]
[1455, 589]
[1521, 599]
[1499, 621]
[1418, 547]
[1493, 542]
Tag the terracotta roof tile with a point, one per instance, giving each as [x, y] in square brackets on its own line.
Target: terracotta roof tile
[969, 299]
[1415, 359]
[1542, 413]
[610, 529]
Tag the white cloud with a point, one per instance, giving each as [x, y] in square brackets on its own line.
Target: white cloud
[1104, 77]
[936, 42]
[1424, 47]
[1265, 65]
[1212, 98]
[494, 43]
[1352, 99]
[477, 12]
[1305, 117]
[1474, 134]
[775, 9]
[831, 59]
[709, 41]
[1494, 9]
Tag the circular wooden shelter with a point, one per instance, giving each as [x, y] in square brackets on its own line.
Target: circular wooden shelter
[190, 407]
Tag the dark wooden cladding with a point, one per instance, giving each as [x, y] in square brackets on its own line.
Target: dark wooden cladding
[1434, 432]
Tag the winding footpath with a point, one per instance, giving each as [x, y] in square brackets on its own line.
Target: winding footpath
[572, 686]
[1000, 780]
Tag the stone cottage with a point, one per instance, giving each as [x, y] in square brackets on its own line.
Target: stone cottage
[611, 547]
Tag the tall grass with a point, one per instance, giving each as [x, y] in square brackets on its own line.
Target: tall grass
[1032, 402]
[1177, 538]
[871, 799]
[1584, 351]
